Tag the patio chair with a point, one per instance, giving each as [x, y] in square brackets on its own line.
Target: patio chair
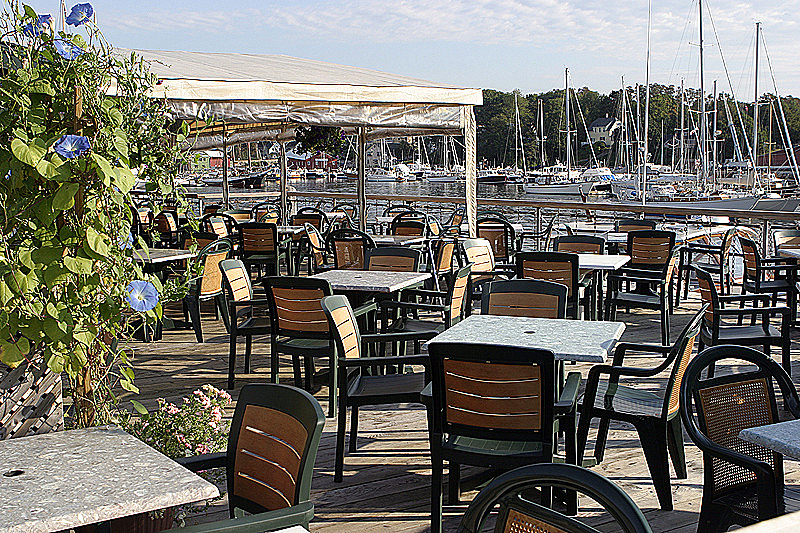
[165, 225]
[442, 251]
[240, 215]
[525, 297]
[654, 415]
[625, 225]
[311, 215]
[558, 267]
[654, 260]
[720, 266]
[518, 513]
[260, 247]
[283, 424]
[742, 482]
[349, 248]
[199, 238]
[500, 233]
[410, 222]
[453, 224]
[716, 331]
[267, 209]
[312, 248]
[478, 253]
[208, 286]
[221, 224]
[300, 329]
[356, 386]
[494, 407]
[348, 208]
[580, 244]
[393, 259]
[239, 316]
[768, 275]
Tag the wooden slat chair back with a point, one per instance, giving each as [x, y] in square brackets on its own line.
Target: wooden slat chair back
[309, 219]
[295, 306]
[271, 217]
[456, 217]
[317, 244]
[434, 228]
[580, 244]
[208, 285]
[312, 215]
[211, 282]
[714, 410]
[272, 447]
[211, 209]
[708, 295]
[350, 248]
[525, 297]
[485, 391]
[408, 228]
[165, 222]
[458, 297]
[218, 226]
[258, 238]
[752, 260]
[240, 215]
[500, 233]
[444, 255]
[347, 334]
[479, 254]
[633, 224]
[145, 216]
[201, 239]
[263, 208]
[348, 209]
[237, 280]
[518, 513]
[787, 239]
[650, 248]
[550, 266]
[393, 259]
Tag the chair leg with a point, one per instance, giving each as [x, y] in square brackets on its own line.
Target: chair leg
[353, 427]
[654, 446]
[232, 361]
[341, 424]
[248, 348]
[602, 437]
[786, 356]
[453, 483]
[298, 378]
[583, 435]
[193, 306]
[675, 445]
[332, 381]
[436, 492]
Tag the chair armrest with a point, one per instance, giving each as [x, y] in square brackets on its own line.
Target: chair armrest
[617, 371]
[424, 292]
[623, 347]
[701, 248]
[411, 305]
[243, 303]
[745, 298]
[364, 309]
[203, 462]
[749, 311]
[296, 515]
[643, 279]
[569, 395]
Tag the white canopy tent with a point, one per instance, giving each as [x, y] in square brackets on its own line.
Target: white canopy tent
[267, 96]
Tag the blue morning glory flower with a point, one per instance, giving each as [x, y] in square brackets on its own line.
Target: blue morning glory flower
[142, 295]
[125, 242]
[66, 49]
[80, 13]
[36, 28]
[71, 146]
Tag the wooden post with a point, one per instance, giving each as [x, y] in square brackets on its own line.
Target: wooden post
[362, 178]
[225, 187]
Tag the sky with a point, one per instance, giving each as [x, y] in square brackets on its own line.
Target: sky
[496, 44]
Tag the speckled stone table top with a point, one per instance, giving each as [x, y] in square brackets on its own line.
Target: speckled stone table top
[783, 437]
[570, 340]
[789, 252]
[371, 281]
[162, 255]
[602, 261]
[66, 479]
[397, 240]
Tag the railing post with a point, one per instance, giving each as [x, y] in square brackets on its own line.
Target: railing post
[765, 237]
[538, 228]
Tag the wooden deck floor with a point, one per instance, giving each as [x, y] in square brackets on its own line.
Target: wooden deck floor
[386, 483]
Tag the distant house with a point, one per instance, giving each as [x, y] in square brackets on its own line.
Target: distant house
[602, 130]
[207, 159]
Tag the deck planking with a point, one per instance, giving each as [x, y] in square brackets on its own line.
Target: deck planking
[386, 482]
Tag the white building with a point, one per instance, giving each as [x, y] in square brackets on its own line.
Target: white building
[603, 129]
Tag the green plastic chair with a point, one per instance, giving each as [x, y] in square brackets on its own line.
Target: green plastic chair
[208, 286]
[269, 419]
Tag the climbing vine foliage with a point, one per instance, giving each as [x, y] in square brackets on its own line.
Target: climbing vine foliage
[75, 119]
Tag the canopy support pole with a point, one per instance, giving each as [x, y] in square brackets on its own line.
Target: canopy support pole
[470, 165]
[362, 178]
[225, 188]
[284, 194]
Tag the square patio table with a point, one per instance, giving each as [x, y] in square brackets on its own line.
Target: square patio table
[371, 280]
[789, 252]
[61, 480]
[602, 261]
[783, 437]
[570, 340]
[159, 256]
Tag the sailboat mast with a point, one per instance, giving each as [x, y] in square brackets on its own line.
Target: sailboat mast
[683, 128]
[714, 140]
[516, 133]
[566, 113]
[541, 134]
[624, 146]
[646, 109]
[703, 125]
[755, 111]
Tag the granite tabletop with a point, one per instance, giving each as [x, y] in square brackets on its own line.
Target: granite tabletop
[371, 281]
[57, 481]
[783, 437]
[397, 240]
[602, 261]
[570, 340]
[294, 230]
[162, 255]
[789, 252]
